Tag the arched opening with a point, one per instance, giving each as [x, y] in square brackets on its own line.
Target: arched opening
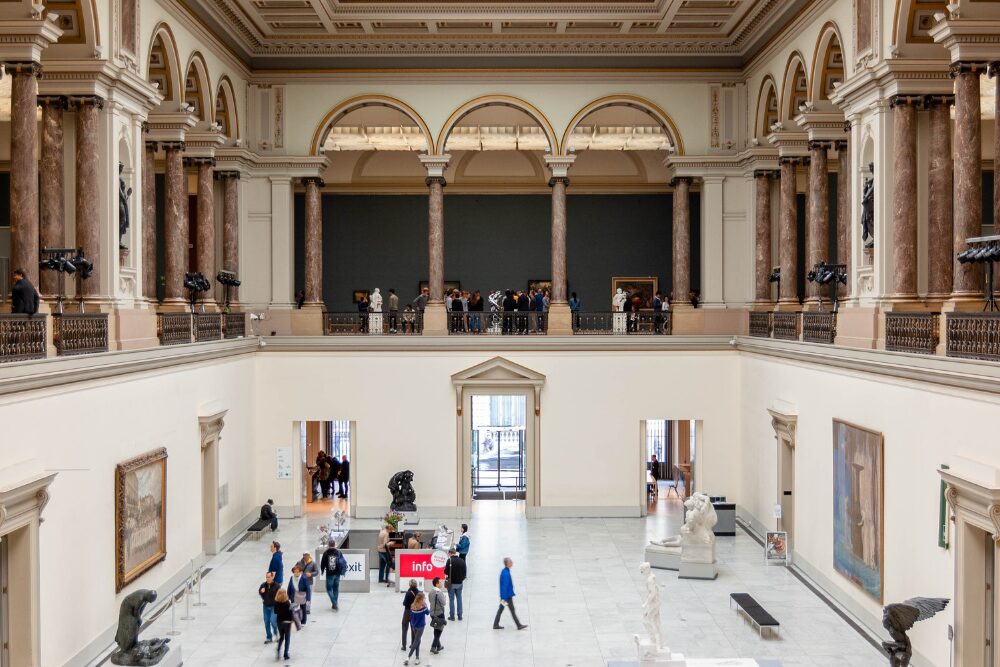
[196, 88]
[162, 68]
[795, 87]
[225, 109]
[411, 126]
[767, 108]
[828, 64]
[912, 23]
[530, 140]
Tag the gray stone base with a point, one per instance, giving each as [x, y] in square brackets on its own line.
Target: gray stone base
[657, 557]
[697, 571]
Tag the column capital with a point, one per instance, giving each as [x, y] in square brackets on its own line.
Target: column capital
[435, 179]
[152, 146]
[435, 165]
[993, 69]
[818, 145]
[24, 68]
[199, 161]
[841, 145]
[230, 174]
[79, 101]
[55, 101]
[765, 173]
[559, 165]
[967, 67]
[916, 101]
[313, 180]
[677, 180]
[791, 160]
[931, 101]
[559, 179]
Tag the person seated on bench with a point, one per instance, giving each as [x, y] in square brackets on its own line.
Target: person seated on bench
[267, 514]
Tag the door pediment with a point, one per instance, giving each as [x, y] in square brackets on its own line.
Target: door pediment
[498, 371]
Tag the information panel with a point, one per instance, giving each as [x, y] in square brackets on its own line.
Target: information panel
[420, 564]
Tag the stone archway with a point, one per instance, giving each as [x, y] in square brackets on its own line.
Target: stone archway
[784, 425]
[211, 429]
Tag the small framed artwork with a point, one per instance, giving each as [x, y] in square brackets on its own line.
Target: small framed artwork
[536, 285]
[776, 547]
[644, 286]
[449, 285]
[359, 294]
[140, 515]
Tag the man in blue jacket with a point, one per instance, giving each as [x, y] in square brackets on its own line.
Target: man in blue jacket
[507, 596]
[276, 566]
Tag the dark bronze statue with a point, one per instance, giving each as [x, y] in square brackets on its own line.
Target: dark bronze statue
[868, 209]
[899, 617]
[131, 651]
[123, 214]
[403, 495]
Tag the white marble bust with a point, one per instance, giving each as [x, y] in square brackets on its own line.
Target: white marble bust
[376, 301]
[618, 301]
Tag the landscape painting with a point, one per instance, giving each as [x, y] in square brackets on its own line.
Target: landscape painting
[857, 506]
[140, 515]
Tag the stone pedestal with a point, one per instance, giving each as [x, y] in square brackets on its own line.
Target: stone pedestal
[134, 329]
[375, 324]
[660, 656]
[664, 558]
[857, 327]
[619, 323]
[687, 320]
[306, 321]
[697, 571]
[560, 320]
[435, 320]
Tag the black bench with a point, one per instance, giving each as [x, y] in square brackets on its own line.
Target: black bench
[753, 612]
[259, 527]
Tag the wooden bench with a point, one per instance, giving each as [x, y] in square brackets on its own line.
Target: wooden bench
[258, 528]
[753, 612]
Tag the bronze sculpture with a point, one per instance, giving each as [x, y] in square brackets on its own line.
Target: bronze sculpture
[132, 652]
[868, 209]
[403, 495]
[899, 617]
[123, 212]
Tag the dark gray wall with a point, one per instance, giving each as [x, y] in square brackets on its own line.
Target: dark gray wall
[493, 242]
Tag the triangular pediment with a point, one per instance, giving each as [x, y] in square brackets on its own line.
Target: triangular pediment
[498, 370]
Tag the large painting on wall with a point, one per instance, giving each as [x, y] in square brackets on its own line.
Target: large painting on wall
[857, 506]
[140, 515]
[644, 286]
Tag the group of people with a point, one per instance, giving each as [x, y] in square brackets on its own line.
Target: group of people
[386, 545]
[331, 473]
[288, 606]
[523, 310]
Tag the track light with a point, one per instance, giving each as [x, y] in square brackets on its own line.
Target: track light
[227, 278]
[775, 276]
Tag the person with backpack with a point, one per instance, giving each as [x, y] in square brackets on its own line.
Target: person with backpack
[334, 565]
[408, 598]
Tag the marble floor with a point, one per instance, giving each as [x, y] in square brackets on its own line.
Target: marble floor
[578, 588]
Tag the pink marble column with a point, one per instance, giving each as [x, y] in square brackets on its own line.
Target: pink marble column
[149, 221]
[231, 226]
[904, 196]
[682, 241]
[24, 167]
[762, 245]
[175, 223]
[788, 234]
[205, 246]
[88, 204]
[968, 187]
[559, 186]
[818, 214]
[52, 210]
[843, 210]
[313, 240]
[435, 239]
[940, 198]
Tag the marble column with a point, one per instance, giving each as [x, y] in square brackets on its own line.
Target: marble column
[205, 230]
[435, 239]
[52, 210]
[762, 263]
[788, 234]
[558, 185]
[968, 187]
[231, 226]
[682, 242]
[904, 196]
[23, 167]
[940, 198]
[995, 73]
[843, 210]
[818, 215]
[88, 204]
[313, 241]
[149, 221]
[175, 223]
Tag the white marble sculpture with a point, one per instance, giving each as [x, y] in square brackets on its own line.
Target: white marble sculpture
[693, 551]
[444, 538]
[376, 301]
[652, 651]
[618, 301]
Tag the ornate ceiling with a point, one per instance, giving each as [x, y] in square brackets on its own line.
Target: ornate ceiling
[312, 34]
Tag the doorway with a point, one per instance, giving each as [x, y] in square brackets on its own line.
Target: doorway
[784, 425]
[210, 427]
[498, 447]
[328, 464]
[668, 450]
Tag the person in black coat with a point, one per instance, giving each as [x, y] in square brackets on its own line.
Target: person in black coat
[523, 306]
[334, 480]
[455, 571]
[408, 598]
[509, 306]
[283, 613]
[267, 514]
[345, 477]
[23, 296]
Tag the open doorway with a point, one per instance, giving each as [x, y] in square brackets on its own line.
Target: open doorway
[668, 450]
[498, 447]
[4, 607]
[327, 457]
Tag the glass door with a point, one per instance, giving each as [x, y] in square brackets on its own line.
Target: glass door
[498, 447]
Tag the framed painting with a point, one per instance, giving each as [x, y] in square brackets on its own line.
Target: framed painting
[644, 286]
[358, 295]
[140, 515]
[449, 285]
[776, 547]
[858, 519]
[539, 285]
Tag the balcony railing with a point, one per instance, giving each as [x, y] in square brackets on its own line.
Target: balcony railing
[786, 325]
[373, 324]
[622, 324]
[173, 328]
[22, 337]
[974, 335]
[207, 326]
[234, 324]
[760, 324]
[80, 333]
[911, 332]
[819, 327]
[499, 323]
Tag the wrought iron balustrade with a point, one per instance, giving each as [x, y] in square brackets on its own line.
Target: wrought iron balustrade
[786, 325]
[760, 324]
[819, 327]
[911, 332]
[80, 333]
[373, 324]
[22, 337]
[173, 328]
[234, 324]
[498, 323]
[973, 335]
[623, 323]
[207, 326]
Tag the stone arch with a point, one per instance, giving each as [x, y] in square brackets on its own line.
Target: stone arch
[635, 102]
[163, 63]
[767, 107]
[794, 86]
[497, 100]
[910, 23]
[828, 65]
[226, 114]
[196, 86]
[359, 102]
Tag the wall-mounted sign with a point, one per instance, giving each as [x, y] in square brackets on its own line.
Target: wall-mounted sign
[776, 547]
[418, 564]
[284, 462]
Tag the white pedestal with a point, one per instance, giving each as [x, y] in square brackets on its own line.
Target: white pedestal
[697, 571]
[375, 324]
[664, 558]
[410, 518]
[619, 323]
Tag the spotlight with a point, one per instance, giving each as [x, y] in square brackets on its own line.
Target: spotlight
[965, 256]
[775, 276]
[228, 278]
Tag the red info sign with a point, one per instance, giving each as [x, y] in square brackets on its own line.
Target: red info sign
[421, 566]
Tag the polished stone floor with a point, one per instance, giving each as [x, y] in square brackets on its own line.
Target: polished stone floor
[578, 588]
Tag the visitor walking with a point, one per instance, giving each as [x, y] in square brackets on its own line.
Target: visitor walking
[300, 593]
[408, 598]
[276, 567]
[383, 555]
[334, 565]
[454, 572]
[268, 590]
[336, 487]
[418, 621]
[285, 617]
[345, 477]
[439, 604]
[507, 596]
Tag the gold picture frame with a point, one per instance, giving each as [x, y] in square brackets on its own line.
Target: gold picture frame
[645, 286]
[140, 515]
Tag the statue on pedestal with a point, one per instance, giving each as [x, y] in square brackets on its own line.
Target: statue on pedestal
[403, 495]
[696, 541]
[123, 211]
[652, 651]
[376, 301]
[899, 617]
[132, 652]
[868, 208]
[618, 301]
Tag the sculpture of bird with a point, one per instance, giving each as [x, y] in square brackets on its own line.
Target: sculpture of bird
[899, 617]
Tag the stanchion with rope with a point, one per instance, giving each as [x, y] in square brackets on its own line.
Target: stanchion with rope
[187, 603]
[173, 614]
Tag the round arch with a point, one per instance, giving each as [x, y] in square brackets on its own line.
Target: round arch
[634, 102]
[768, 91]
[829, 39]
[229, 111]
[171, 67]
[791, 87]
[204, 88]
[360, 102]
[493, 101]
